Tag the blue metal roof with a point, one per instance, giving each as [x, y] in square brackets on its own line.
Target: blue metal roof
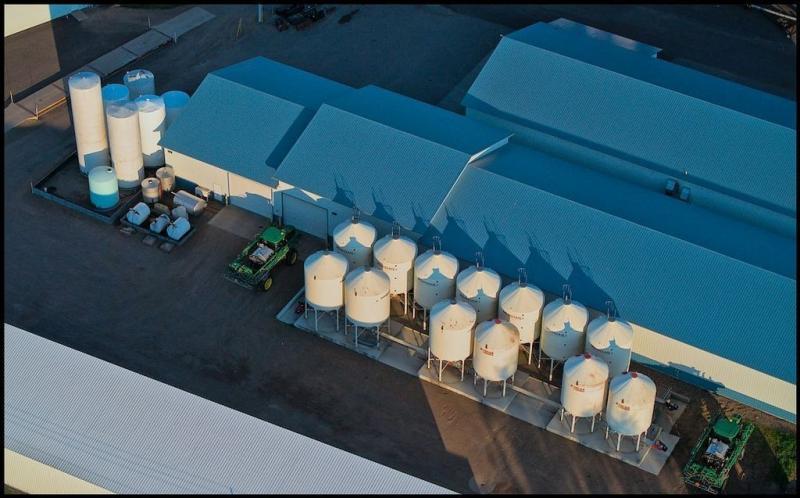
[385, 172]
[237, 128]
[666, 117]
[605, 36]
[695, 295]
[686, 221]
[420, 119]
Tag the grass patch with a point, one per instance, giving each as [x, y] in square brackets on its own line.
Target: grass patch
[784, 446]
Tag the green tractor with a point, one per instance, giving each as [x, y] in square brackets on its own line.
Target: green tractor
[719, 448]
[253, 267]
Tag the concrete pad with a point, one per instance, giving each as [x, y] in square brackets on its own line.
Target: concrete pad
[451, 380]
[146, 42]
[112, 61]
[402, 359]
[44, 100]
[287, 314]
[531, 410]
[184, 22]
[80, 15]
[326, 328]
[239, 222]
[14, 115]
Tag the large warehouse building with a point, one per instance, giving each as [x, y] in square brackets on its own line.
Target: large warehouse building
[570, 186]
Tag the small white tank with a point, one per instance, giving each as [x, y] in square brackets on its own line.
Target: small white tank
[631, 401]
[193, 204]
[494, 355]
[563, 327]
[159, 224]
[394, 255]
[179, 212]
[434, 276]
[366, 297]
[138, 213]
[178, 228]
[175, 102]
[583, 387]
[88, 120]
[324, 280]
[140, 82]
[151, 190]
[353, 239]
[451, 330]
[115, 93]
[521, 304]
[479, 286]
[166, 175]
[152, 123]
[103, 188]
[126, 147]
[611, 340]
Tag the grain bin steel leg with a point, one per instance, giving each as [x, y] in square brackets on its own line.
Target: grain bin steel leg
[530, 353]
[638, 440]
[440, 370]
[484, 388]
[429, 357]
[572, 428]
[462, 370]
[592, 424]
[619, 439]
[504, 387]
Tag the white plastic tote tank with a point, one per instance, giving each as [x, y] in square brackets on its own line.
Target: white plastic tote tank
[611, 339]
[434, 276]
[451, 330]
[521, 304]
[175, 102]
[159, 224]
[354, 239]
[583, 387]
[563, 325]
[138, 213]
[324, 280]
[394, 255]
[479, 286]
[178, 228]
[103, 188]
[126, 148]
[152, 123]
[366, 297]
[140, 82]
[88, 120]
[631, 401]
[496, 348]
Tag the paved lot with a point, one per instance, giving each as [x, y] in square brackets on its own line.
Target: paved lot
[174, 318]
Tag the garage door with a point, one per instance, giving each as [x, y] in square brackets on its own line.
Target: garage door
[250, 195]
[305, 216]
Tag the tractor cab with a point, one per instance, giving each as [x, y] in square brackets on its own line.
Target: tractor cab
[270, 240]
[724, 432]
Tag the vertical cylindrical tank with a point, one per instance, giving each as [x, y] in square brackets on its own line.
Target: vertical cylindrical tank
[114, 93]
[496, 349]
[451, 330]
[366, 297]
[434, 277]
[152, 120]
[151, 190]
[140, 82]
[88, 121]
[354, 239]
[126, 148]
[394, 255]
[103, 188]
[324, 280]
[631, 401]
[479, 286]
[521, 304]
[611, 340]
[563, 327]
[175, 102]
[166, 175]
[583, 387]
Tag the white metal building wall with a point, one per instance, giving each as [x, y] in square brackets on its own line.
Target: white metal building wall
[252, 196]
[305, 215]
[198, 172]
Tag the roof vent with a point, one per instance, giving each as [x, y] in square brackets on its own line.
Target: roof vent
[671, 188]
[611, 312]
[685, 193]
[523, 277]
[567, 294]
[437, 244]
[479, 260]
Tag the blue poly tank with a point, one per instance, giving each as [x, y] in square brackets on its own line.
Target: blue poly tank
[103, 187]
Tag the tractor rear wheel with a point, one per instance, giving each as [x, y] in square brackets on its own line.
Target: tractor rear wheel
[291, 258]
[266, 284]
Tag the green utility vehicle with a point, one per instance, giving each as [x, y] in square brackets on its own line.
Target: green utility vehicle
[720, 446]
[253, 267]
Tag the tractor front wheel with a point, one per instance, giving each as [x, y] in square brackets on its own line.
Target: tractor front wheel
[266, 284]
[291, 258]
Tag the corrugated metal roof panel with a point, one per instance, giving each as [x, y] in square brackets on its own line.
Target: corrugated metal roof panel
[694, 295]
[606, 37]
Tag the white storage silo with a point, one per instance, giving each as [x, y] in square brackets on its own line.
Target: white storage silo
[88, 120]
[175, 102]
[103, 188]
[434, 278]
[354, 239]
[583, 387]
[114, 93]
[631, 402]
[563, 329]
[394, 255]
[139, 82]
[450, 334]
[495, 352]
[479, 286]
[611, 340]
[152, 122]
[324, 283]
[521, 304]
[126, 148]
[366, 299]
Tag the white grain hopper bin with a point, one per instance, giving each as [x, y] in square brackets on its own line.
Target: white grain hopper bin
[479, 286]
[521, 304]
[88, 120]
[583, 387]
[495, 352]
[434, 278]
[140, 82]
[354, 239]
[450, 335]
[394, 255]
[611, 340]
[152, 123]
[366, 299]
[631, 402]
[563, 329]
[175, 102]
[324, 283]
[126, 146]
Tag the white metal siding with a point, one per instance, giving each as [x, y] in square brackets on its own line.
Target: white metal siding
[32, 477]
[250, 195]
[305, 216]
[198, 172]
